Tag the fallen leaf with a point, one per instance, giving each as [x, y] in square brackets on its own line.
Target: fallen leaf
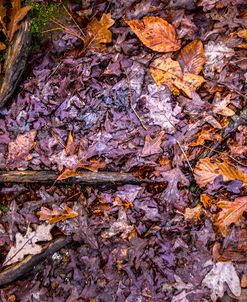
[206, 200]
[167, 71]
[191, 57]
[173, 177]
[207, 170]
[220, 105]
[206, 134]
[193, 213]
[231, 212]
[27, 244]
[221, 273]
[54, 216]
[120, 226]
[18, 150]
[2, 46]
[67, 173]
[216, 55]
[156, 33]
[242, 33]
[98, 32]
[152, 145]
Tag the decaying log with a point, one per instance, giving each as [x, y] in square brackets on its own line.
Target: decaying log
[15, 61]
[16, 271]
[86, 178]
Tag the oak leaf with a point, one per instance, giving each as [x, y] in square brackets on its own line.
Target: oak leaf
[231, 212]
[220, 105]
[98, 32]
[152, 145]
[206, 171]
[221, 273]
[156, 33]
[54, 216]
[27, 244]
[206, 134]
[191, 57]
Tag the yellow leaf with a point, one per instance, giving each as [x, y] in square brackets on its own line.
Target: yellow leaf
[156, 33]
[98, 32]
[193, 213]
[206, 171]
[242, 33]
[191, 57]
[231, 212]
[167, 71]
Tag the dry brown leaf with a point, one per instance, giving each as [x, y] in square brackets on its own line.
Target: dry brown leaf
[2, 46]
[69, 144]
[93, 166]
[98, 32]
[242, 33]
[67, 173]
[193, 213]
[152, 145]
[191, 57]
[27, 244]
[220, 105]
[206, 171]
[54, 216]
[156, 33]
[167, 71]
[206, 200]
[231, 212]
[18, 150]
[206, 134]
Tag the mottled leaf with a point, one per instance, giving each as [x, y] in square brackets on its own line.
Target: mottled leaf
[156, 33]
[152, 145]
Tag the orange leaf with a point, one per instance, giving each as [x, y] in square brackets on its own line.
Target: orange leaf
[93, 166]
[206, 200]
[54, 216]
[242, 33]
[2, 46]
[69, 144]
[98, 32]
[67, 173]
[231, 212]
[156, 33]
[191, 57]
[206, 171]
[193, 213]
[206, 135]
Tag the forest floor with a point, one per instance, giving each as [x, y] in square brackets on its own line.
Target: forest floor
[119, 89]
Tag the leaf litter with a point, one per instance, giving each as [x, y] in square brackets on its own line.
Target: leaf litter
[146, 88]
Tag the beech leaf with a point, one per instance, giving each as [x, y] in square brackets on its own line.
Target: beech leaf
[191, 57]
[156, 33]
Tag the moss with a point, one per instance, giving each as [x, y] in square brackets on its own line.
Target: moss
[40, 16]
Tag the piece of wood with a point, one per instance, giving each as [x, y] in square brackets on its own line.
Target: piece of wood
[16, 271]
[86, 178]
[15, 61]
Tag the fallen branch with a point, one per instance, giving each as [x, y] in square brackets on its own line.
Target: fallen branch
[25, 266]
[86, 178]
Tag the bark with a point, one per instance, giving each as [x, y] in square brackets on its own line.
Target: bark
[86, 178]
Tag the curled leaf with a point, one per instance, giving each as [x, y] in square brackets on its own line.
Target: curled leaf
[156, 33]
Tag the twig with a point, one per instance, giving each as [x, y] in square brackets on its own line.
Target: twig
[25, 266]
[131, 101]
